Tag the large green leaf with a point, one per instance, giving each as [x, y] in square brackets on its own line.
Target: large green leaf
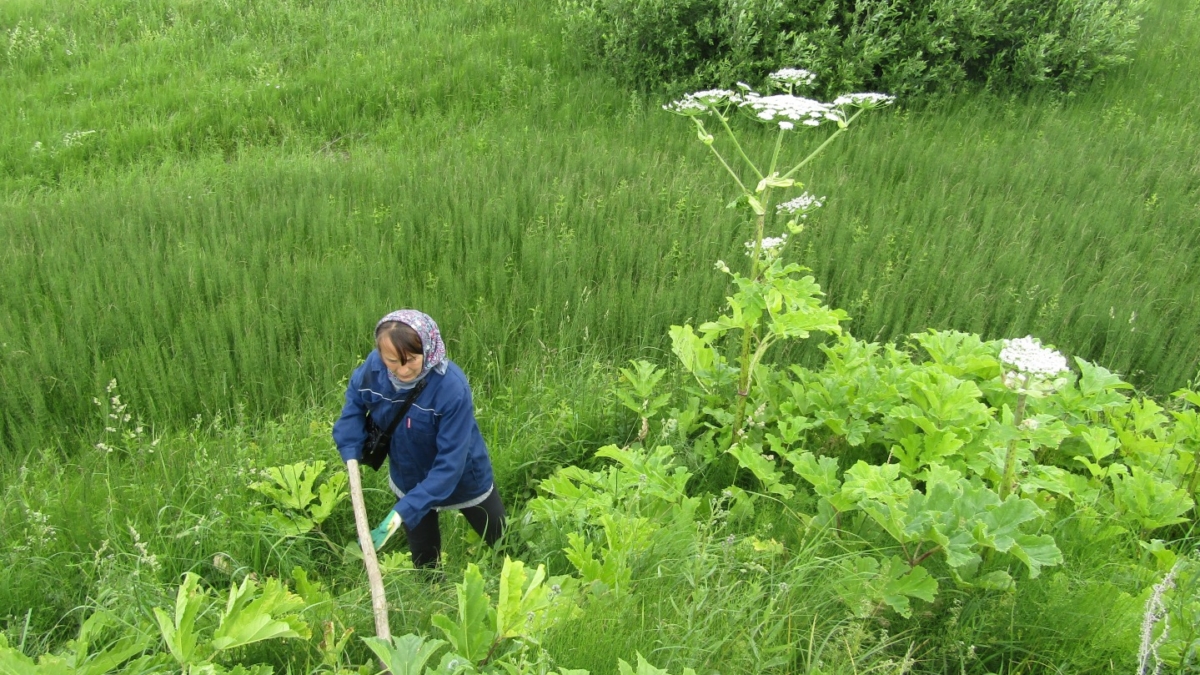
[291, 485]
[902, 583]
[645, 668]
[1004, 522]
[252, 615]
[471, 636]
[960, 354]
[516, 607]
[1036, 551]
[750, 456]
[822, 474]
[697, 355]
[1100, 387]
[1150, 501]
[179, 632]
[332, 492]
[85, 656]
[404, 655]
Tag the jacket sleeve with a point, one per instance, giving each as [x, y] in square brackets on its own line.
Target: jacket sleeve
[453, 441]
[350, 430]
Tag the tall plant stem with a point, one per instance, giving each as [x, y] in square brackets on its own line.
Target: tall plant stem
[1010, 461]
[733, 137]
[728, 168]
[775, 155]
[822, 146]
[748, 333]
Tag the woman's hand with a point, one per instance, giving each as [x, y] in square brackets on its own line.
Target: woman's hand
[386, 529]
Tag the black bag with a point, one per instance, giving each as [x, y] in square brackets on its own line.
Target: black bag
[379, 441]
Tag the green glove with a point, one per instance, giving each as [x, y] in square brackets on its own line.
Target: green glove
[386, 529]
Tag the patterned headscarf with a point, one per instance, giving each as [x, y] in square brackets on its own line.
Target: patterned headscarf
[431, 338]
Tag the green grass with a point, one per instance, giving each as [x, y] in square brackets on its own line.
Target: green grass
[219, 243]
[1071, 218]
[222, 248]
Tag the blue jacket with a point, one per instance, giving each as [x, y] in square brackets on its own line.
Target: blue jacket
[437, 457]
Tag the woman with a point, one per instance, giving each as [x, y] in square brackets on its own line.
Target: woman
[438, 460]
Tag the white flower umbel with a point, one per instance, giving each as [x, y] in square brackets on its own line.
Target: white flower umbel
[788, 108]
[771, 246]
[1029, 367]
[701, 102]
[1029, 356]
[798, 209]
[790, 77]
[863, 100]
[800, 205]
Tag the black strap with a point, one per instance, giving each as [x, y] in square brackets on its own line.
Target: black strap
[406, 405]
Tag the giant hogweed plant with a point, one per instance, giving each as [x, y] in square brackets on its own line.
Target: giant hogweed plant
[774, 300]
[984, 450]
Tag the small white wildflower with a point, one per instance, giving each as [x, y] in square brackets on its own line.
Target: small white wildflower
[1028, 356]
[1155, 612]
[1030, 424]
[76, 137]
[787, 126]
[37, 147]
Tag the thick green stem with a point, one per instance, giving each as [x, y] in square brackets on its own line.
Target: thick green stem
[1195, 472]
[743, 391]
[1008, 482]
[775, 155]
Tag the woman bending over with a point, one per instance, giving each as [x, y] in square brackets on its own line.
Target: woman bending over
[437, 458]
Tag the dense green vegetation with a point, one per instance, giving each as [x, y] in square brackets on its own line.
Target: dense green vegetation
[265, 179]
[909, 48]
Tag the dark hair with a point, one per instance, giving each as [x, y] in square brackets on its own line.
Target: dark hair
[404, 339]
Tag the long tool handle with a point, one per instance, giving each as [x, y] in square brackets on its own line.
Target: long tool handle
[374, 578]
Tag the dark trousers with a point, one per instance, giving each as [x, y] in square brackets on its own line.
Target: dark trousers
[425, 538]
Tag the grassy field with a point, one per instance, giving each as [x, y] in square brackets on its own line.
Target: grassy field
[256, 191]
[211, 203]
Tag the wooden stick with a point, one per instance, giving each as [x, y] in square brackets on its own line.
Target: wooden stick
[374, 578]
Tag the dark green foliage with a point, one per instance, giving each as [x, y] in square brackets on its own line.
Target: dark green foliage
[903, 47]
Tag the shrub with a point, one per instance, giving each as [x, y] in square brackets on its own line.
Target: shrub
[903, 47]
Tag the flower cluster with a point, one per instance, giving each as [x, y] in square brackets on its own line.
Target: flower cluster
[1028, 356]
[801, 205]
[701, 102]
[793, 77]
[771, 245]
[865, 100]
[1031, 368]
[786, 110]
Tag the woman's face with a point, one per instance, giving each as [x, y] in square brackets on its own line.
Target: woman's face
[405, 372]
